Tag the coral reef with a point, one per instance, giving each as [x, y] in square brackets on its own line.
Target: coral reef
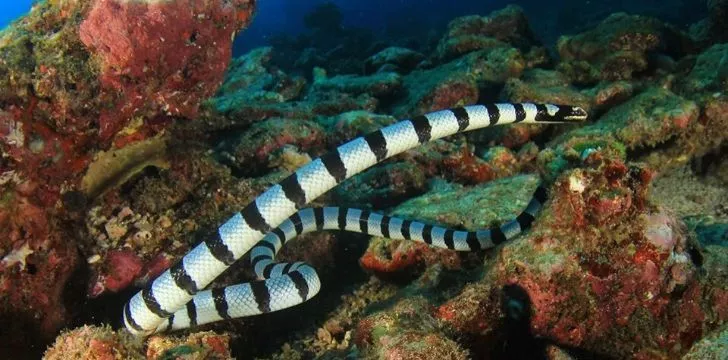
[128, 134]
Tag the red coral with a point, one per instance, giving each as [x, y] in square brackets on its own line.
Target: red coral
[31, 291]
[160, 57]
[121, 268]
[467, 168]
[395, 257]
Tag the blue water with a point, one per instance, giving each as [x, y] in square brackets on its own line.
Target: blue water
[11, 9]
[415, 17]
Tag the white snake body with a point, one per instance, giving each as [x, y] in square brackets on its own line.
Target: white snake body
[174, 300]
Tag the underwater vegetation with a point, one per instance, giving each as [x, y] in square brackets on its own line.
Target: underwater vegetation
[129, 134]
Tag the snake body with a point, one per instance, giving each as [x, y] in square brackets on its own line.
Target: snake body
[174, 300]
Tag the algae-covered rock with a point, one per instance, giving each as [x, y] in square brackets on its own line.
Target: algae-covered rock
[377, 85]
[648, 119]
[251, 152]
[197, 346]
[710, 72]
[618, 48]
[471, 208]
[712, 347]
[349, 124]
[643, 126]
[504, 28]
[76, 78]
[457, 82]
[547, 86]
[382, 186]
[536, 85]
[402, 59]
[251, 79]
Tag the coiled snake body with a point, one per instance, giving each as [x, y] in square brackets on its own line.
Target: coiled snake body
[174, 300]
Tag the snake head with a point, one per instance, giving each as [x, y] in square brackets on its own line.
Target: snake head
[565, 113]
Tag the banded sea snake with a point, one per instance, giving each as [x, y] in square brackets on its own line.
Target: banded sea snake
[174, 300]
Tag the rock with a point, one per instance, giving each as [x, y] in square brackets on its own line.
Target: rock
[710, 73]
[716, 29]
[381, 187]
[504, 28]
[457, 82]
[618, 48]
[251, 153]
[199, 34]
[200, 345]
[77, 78]
[402, 60]
[251, 79]
[407, 330]
[713, 347]
[377, 85]
[347, 125]
[649, 119]
[475, 208]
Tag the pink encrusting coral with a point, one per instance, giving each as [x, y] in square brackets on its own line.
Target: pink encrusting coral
[160, 58]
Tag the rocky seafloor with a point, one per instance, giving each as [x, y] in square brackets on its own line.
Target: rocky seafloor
[129, 134]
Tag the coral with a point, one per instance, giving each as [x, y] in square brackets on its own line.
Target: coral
[95, 343]
[711, 347]
[132, 40]
[587, 278]
[37, 264]
[114, 167]
[197, 346]
[609, 268]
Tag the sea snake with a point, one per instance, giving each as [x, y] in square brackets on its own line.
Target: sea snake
[165, 303]
[200, 310]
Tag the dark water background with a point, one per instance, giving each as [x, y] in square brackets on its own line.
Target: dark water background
[388, 19]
